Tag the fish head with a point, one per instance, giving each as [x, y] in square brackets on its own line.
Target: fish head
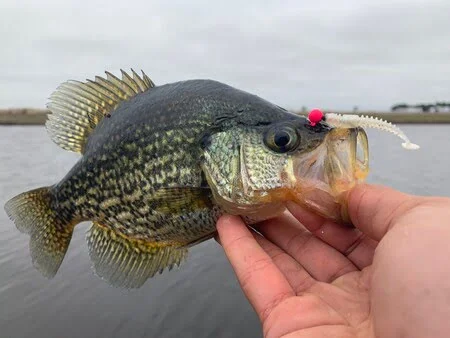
[254, 170]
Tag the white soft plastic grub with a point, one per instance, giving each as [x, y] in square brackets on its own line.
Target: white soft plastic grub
[354, 121]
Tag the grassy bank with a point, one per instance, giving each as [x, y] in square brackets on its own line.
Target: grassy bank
[414, 118]
[409, 118]
[38, 117]
[23, 116]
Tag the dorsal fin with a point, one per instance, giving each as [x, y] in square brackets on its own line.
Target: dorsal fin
[77, 107]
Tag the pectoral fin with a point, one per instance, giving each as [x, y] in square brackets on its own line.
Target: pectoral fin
[178, 199]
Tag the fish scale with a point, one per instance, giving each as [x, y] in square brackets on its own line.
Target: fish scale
[156, 170]
[159, 165]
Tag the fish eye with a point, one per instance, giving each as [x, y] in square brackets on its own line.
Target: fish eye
[282, 139]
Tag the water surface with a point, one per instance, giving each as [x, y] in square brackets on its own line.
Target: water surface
[200, 299]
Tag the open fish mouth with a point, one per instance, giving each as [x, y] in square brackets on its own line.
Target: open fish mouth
[348, 158]
[323, 176]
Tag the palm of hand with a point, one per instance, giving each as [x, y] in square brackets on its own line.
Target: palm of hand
[306, 287]
[325, 280]
[340, 308]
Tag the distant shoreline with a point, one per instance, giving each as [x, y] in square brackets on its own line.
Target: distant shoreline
[30, 116]
[23, 116]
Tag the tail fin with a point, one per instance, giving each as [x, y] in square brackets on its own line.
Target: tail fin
[49, 234]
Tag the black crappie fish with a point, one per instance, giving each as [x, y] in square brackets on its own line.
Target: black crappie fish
[160, 164]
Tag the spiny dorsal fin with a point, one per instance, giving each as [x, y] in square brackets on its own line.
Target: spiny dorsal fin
[77, 107]
[127, 262]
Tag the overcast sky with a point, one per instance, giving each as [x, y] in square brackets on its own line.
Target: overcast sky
[329, 54]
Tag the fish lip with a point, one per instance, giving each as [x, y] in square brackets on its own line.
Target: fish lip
[323, 176]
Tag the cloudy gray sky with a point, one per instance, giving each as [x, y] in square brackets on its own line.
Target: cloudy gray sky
[329, 54]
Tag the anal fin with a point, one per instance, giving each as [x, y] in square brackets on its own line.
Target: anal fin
[127, 262]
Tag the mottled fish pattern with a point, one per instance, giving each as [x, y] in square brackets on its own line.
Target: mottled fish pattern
[140, 178]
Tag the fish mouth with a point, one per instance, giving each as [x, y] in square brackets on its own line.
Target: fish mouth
[323, 177]
[348, 158]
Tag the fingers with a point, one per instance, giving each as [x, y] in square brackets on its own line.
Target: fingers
[351, 242]
[299, 279]
[260, 279]
[322, 262]
[375, 209]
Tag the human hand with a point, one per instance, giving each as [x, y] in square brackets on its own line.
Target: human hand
[388, 277]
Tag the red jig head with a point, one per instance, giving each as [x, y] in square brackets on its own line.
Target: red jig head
[315, 116]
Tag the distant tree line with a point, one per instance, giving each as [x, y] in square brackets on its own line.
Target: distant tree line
[425, 107]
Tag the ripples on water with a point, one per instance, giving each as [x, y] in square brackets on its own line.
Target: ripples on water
[201, 299]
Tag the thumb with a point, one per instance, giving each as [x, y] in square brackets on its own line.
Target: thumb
[375, 209]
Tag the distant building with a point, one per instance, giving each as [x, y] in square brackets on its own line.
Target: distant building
[438, 107]
[443, 107]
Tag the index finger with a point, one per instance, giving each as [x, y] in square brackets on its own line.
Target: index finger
[375, 209]
[261, 280]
